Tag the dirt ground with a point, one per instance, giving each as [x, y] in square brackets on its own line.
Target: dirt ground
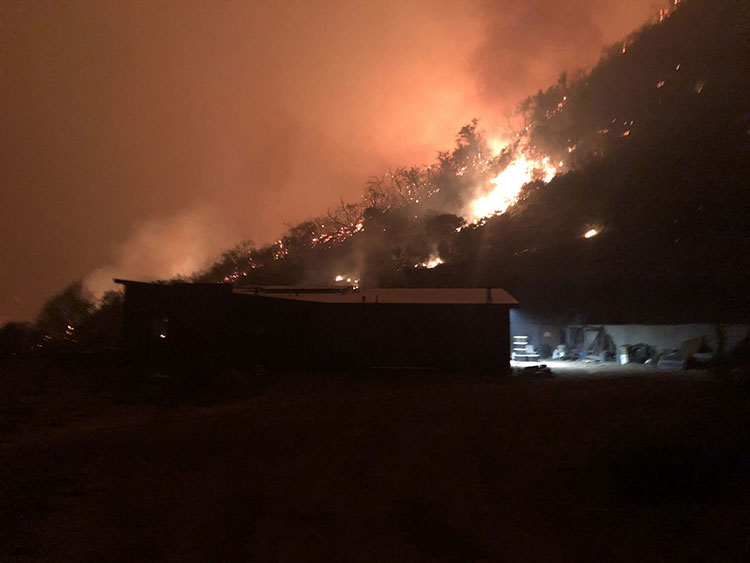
[106, 463]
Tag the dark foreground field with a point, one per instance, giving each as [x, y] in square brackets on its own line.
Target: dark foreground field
[104, 464]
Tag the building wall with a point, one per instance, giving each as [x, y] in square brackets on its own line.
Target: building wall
[671, 337]
[208, 324]
[436, 336]
[192, 319]
[539, 330]
[371, 334]
[660, 336]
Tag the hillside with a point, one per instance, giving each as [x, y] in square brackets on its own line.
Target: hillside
[659, 132]
[649, 149]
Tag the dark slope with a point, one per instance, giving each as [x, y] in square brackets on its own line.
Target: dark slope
[671, 197]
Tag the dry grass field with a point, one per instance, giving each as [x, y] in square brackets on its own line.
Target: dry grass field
[116, 464]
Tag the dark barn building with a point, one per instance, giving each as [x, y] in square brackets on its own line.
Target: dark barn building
[455, 329]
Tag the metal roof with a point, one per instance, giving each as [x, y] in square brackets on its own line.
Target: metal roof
[444, 296]
[170, 283]
[349, 294]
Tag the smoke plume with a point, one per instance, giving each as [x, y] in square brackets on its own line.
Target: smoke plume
[124, 122]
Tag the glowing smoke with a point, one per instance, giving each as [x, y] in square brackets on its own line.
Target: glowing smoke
[271, 113]
[163, 249]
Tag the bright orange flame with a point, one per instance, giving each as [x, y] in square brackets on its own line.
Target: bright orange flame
[508, 184]
[431, 263]
[347, 280]
[591, 233]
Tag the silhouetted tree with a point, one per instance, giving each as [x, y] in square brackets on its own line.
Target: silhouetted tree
[65, 312]
[344, 215]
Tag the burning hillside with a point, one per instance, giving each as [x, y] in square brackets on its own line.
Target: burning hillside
[505, 188]
[636, 163]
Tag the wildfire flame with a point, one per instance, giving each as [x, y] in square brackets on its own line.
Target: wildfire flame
[508, 184]
[433, 262]
[346, 280]
[591, 233]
